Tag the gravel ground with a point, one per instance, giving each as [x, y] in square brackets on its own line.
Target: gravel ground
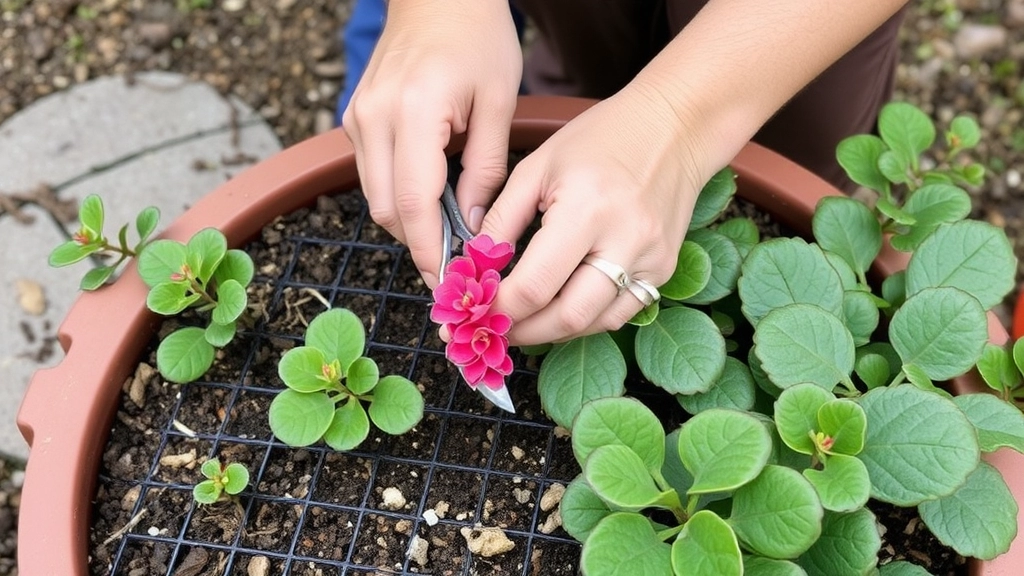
[283, 58]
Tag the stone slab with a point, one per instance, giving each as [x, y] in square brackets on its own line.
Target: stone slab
[174, 146]
[98, 122]
[28, 340]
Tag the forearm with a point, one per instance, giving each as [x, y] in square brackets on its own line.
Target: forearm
[739, 61]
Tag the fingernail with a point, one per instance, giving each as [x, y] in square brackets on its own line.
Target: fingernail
[476, 218]
[430, 279]
[444, 334]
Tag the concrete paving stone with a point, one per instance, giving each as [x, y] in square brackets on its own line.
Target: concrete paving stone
[28, 340]
[95, 123]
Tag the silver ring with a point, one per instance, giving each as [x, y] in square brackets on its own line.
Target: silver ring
[644, 291]
[616, 273]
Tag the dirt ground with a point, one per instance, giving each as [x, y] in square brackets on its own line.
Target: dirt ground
[283, 58]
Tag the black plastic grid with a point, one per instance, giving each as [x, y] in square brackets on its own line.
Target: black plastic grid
[447, 411]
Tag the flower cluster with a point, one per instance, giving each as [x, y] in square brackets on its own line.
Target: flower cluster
[462, 303]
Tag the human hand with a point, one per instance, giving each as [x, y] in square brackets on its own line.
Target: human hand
[439, 69]
[619, 182]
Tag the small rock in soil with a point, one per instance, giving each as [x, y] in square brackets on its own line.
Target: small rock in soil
[194, 562]
[976, 40]
[30, 296]
[179, 460]
[324, 121]
[392, 499]
[258, 566]
[418, 549]
[521, 495]
[487, 542]
[430, 517]
[552, 522]
[332, 70]
[552, 496]
[518, 452]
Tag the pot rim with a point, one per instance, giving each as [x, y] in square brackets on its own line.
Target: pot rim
[66, 411]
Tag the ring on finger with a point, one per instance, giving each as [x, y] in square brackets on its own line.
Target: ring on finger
[617, 274]
[644, 291]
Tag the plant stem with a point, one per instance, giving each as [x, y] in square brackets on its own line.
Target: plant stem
[898, 379]
[197, 288]
[664, 535]
[124, 252]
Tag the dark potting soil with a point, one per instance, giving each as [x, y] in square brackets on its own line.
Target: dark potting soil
[316, 511]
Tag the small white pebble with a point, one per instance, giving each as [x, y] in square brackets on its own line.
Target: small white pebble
[153, 531]
[430, 517]
[17, 478]
[1013, 178]
[392, 499]
[518, 452]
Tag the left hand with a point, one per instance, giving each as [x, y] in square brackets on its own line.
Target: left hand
[618, 182]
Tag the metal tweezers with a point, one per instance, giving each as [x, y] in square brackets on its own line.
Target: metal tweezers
[453, 225]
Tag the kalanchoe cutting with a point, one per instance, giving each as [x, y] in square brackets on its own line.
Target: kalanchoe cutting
[462, 303]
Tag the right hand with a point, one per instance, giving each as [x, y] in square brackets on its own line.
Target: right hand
[439, 68]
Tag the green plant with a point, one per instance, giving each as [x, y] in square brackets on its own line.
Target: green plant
[803, 403]
[90, 241]
[230, 479]
[202, 274]
[1002, 368]
[328, 380]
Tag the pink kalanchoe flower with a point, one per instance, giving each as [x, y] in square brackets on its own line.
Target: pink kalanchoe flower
[480, 350]
[461, 298]
[488, 255]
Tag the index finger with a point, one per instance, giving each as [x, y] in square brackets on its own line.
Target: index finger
[420, 169]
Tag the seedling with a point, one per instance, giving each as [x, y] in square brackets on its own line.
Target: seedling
[220, 480]
[328, 381]
[90, 241]
[1002, 368]
[202, 274]
[821, 405]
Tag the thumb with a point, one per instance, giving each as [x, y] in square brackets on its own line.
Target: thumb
[515, 208]
[484, 161]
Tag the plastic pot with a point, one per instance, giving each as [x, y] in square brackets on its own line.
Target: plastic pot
[67, 410]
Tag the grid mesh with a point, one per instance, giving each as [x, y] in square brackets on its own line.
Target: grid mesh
[523, 455]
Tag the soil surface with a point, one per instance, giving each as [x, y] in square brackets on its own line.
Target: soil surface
[283, 58]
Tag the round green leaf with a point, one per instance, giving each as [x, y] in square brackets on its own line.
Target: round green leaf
[935, 204]
[848, 228]
[184, 355]
[735, 389]
[998, 423]
[581, 509]
[940, 330]
[894, 167]
[619, 421]
[625, 544]
[220, 335]
[803, 343]
[796, 415]
[966, 130]
[787, 271]
[858, 155]
[578, 371]
[713, 198]
[619, 477]
[96, 277]
[682, 351]
[845, 422]
[919, 445]
[997, 368]
[693, 270]
[70, 252]
[872, 369]
[725, 265]
[861, 315]
[778, 514]
[761, 566]
[204, 250]
[349, 427]
[910, 240]
[723, 449]
[90, 213]
[236, 265]
[146, 222]
[362, 375]
[302, 369]
[970, 255]
[760, 378]
[901, 568]
[979, 519]
[707, 547]
[169, 298]
[206, 492]
[843, 484]
[847, 277]
[235, 478]
[231, 302]
[916, 376]
[397, 405]
[160, 260]
[742, 231]
[339, 334]
[849, 544]
[645, 316]
[211, 468]
[906, 129]
[894, 289]
[300, 419]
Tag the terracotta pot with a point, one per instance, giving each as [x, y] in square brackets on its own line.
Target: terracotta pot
[66, 412]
